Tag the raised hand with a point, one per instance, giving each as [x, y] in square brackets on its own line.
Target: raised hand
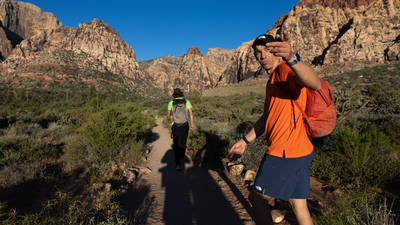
[281, 47]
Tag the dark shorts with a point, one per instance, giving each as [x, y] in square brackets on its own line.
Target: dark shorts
[284, 178]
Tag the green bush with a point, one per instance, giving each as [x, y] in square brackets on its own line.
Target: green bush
[373, 90]
[386, 102]
[361, 160]
[355, 207]
[18, 149]
[114, 128]
[63, 209]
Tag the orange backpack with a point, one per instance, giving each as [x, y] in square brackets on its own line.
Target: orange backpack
[320, 113]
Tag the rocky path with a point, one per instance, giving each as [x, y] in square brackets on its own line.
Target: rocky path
[190, 196]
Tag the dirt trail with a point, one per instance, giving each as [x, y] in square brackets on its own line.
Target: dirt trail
[190, 196]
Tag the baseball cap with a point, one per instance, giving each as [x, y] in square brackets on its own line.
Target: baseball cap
[263, 39]
[177, 91]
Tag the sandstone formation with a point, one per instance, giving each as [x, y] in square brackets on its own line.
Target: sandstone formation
[349, 32]
[68, 55]
[163, 73]
[198, 73]
[195, 72]
[19, 20]
[174, 60]
[5, 44]
[243, 66]
[332, 33]
[336, 4]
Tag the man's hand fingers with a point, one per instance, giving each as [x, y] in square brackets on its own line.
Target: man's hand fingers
[285, 36]
[278, 37]
[235, 157]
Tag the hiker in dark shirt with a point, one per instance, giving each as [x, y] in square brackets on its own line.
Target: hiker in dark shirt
[180, 125]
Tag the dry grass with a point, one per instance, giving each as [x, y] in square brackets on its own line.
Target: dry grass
[256, 86]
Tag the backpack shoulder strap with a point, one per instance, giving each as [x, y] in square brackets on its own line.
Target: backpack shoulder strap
[286, 90]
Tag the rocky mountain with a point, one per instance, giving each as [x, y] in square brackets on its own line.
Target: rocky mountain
[333, 36]
[198, 73]
[193, 72]
[174, 60]
[19, 20]
[242, 66]
[163, 73]
[58, 57]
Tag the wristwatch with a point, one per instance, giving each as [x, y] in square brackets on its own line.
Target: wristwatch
[295, 61]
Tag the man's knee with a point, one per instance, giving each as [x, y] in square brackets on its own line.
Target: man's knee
[301, 211]
[299, 205]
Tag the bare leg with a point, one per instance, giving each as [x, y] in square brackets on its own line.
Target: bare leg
[300, 209]
[262, 211]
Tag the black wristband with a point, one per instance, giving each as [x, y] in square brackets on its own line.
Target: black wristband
[245, 140]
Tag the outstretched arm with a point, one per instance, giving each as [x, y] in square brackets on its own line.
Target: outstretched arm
[305, 75]
[239, 147]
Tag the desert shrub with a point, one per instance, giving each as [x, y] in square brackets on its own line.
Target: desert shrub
[76, 155]
[360, 160]
[26, 163]
[354, 207]
[18, 149]
[53, 132]
[238, 114]
[16, 129]
[112, 129]
[196, 142]
[210, 142]
[245, 127]
[386, 102]
[63, 209]
[93, 104]
[373, 90]
[33, 128]
[254, 153]
[349, 103]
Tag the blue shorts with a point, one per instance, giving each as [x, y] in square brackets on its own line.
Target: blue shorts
[284, 178]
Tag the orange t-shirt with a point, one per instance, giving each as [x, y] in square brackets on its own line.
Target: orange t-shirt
[285, 129]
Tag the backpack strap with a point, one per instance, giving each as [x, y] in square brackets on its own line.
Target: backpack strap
[286, 90]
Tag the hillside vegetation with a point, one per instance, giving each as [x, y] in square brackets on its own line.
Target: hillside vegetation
[52, 139]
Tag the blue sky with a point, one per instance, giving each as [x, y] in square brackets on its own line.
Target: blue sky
[158, 28]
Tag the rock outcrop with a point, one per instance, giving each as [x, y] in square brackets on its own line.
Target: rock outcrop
[331, 33]
[65, 55]
[163, 73]
[344, 35]
[335, 4]
[198, 73]
[243, 66]
[194, 73]
[19, 20]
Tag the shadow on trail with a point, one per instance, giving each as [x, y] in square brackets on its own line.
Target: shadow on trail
[139, 203]
[192, 196]
[211, 157]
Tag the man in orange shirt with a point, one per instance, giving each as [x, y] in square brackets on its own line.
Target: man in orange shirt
[284, 172]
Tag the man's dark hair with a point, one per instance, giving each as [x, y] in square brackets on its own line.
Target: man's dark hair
[177, 95]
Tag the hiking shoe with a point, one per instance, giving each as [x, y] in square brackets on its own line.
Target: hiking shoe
[178, 168]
